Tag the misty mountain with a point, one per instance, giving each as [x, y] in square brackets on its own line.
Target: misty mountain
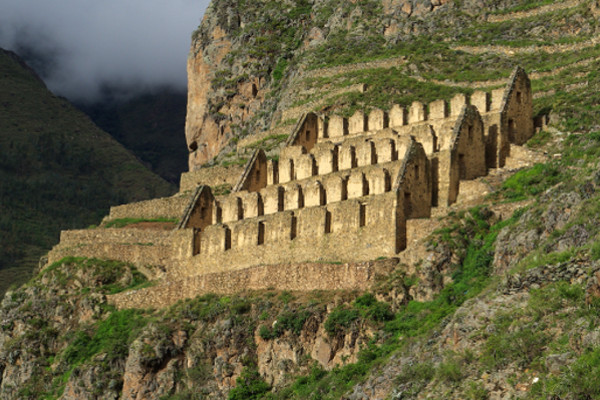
[57, 170]
[150, 124]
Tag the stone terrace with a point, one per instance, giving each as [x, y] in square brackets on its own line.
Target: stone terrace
[341, 190]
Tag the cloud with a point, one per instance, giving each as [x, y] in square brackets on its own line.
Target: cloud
[80, 47]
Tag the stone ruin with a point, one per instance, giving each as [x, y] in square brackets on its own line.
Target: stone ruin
[341, 190]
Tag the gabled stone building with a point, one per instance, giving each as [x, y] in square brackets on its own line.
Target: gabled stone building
[341, 190]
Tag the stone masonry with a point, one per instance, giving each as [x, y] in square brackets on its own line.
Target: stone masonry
[342, 189]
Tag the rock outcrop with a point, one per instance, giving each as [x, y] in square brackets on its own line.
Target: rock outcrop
[242, 64]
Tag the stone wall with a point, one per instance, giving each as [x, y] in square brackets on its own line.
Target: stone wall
[306, 132]
[469, 144]
[167, 207]
[311, 191]
[326, 157]
[358, 229]
[294, 277]
[506, 114]
[518, 109]
[414, 183]
[254, 176]
[213, 176]
[140, 247]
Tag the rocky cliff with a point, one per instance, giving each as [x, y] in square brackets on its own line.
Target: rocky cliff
[255, 67]
[244, 56]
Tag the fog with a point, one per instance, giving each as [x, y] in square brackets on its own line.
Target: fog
[81, 47]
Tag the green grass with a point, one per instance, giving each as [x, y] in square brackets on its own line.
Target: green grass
[532, 181]
[539, 258]
[524, 5]
[417, 319]
[108, 275]
[385, 87]
[111, 336]
[221, 190]
[269, 143]
[510, 343]
[578, 380]
[123, 222]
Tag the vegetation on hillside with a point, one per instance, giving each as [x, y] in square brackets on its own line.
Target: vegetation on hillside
[151, 125]
[57, 171]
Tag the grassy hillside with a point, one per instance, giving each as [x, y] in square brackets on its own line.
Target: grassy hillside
[57, 170]
[312, 56]
[151, 125]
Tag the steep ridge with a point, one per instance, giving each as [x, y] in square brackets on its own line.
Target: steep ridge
[336, 52]
[57, 170]
[151, 125]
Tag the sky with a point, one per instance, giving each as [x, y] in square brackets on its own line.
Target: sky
[81, 46]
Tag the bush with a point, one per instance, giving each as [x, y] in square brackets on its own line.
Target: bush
[595, 251]
[370, 308]
[340, 319]
[249, 385]
[416, 376]
[476, 391]
[522, 344]
[286, 321]
[450, 371]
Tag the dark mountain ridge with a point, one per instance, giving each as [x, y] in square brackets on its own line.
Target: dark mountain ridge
[57, 170]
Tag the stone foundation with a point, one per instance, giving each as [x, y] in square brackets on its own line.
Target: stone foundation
[293, 277]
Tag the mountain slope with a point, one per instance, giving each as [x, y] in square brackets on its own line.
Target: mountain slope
[57, 170]
[260, 69]
[151, 125]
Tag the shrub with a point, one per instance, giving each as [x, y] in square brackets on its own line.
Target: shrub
[370, 308]
[595, 251]
[340, 319]
[267, 333]
[416, 376]
[522, 344]
[286, 297]
[279, 69]
[476, 391]
[450, 371]
[249, 385]
[286, 321]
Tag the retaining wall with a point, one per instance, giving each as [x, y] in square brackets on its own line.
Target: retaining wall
[293, 277]
[167, 207]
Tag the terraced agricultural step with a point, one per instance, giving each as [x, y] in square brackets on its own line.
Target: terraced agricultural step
[344, 69]
[297, 112]
[511, 50]
[535, 11]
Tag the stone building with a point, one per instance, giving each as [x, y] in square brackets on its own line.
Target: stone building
[341, 190]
